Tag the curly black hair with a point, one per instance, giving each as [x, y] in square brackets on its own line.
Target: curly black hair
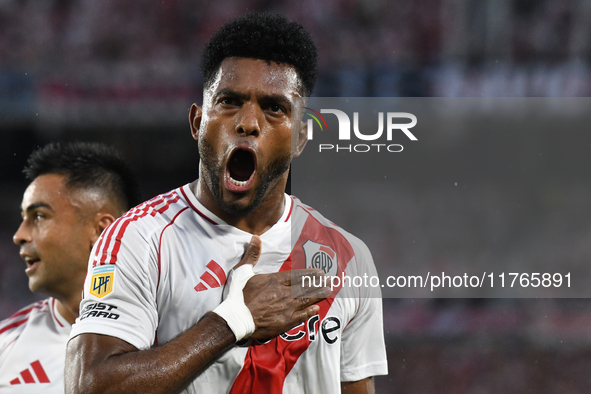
[87, 165]
[267, 37]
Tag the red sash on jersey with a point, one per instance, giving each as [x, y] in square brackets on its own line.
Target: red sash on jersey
[267, 365]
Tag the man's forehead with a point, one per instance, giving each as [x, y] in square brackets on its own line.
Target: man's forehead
[46, 187]
[256, 75]
[62, 201]
[51, 191]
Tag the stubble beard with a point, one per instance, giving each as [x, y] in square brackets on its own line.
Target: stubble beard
[214, 171]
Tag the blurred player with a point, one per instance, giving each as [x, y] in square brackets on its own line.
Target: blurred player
[76, 191]
[162, 267]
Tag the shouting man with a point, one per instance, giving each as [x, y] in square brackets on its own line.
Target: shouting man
[162, 268]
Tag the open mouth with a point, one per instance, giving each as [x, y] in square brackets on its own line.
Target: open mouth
[241, 167]
[31, 264]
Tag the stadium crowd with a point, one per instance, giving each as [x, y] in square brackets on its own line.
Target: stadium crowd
[128, 49]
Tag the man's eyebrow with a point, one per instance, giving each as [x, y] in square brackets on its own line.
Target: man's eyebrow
[278, 98]
[37, 205]
[230, 92]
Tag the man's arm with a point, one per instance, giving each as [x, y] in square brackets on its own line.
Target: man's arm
[361, 360]
[363, 386]
[103, 364]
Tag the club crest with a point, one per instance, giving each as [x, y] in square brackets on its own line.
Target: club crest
[321, 256]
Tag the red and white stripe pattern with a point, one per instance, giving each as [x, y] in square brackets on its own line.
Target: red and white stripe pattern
[213, 277]
[32, 349]
[267, 366]
[35, 374]
[21, 317]
[108, 245]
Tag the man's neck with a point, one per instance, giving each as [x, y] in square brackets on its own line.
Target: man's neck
[69, 308]
[257, 221]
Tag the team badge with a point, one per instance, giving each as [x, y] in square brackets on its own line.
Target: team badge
[321, 256]
[101, 282]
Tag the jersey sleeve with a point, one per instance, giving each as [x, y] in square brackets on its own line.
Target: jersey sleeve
[363, 348]
[10, 329]
[119, 296]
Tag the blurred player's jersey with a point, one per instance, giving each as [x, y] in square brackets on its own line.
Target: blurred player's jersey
[157, 270]
[33, 350]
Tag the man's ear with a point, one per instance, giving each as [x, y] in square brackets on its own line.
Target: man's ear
[101, 222]
[301, 139]
[195, 120]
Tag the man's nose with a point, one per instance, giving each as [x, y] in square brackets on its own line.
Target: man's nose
[248, 120]
[22, 235]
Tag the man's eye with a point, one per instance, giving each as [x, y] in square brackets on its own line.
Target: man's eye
[275, 108]
[38, 216]
[228, 101]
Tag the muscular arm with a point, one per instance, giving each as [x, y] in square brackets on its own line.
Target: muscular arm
[104, 364]
[364, 386]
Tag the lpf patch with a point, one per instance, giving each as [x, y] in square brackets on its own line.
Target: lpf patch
[321, 256]
[101, 282]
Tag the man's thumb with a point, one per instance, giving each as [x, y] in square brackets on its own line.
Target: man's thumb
[253, 252]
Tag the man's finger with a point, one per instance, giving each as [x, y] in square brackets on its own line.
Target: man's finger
[294, 277]
[303, 315]
[253, 252]
[297, 275]
[310, 283]
[311, 292]
[303, 303]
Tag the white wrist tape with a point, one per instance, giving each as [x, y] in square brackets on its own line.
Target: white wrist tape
[233, 309]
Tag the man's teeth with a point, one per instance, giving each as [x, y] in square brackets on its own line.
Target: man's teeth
[238, 183]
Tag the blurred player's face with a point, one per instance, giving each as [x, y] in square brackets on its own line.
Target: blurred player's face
[245, 132]
[55, 236]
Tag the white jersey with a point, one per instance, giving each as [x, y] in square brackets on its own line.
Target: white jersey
[33, 350]
[157, 270]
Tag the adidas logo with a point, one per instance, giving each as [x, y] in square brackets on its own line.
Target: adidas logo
[212, 278]
[27, 375]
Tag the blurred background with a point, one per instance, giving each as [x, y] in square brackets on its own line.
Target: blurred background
[125, 72]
